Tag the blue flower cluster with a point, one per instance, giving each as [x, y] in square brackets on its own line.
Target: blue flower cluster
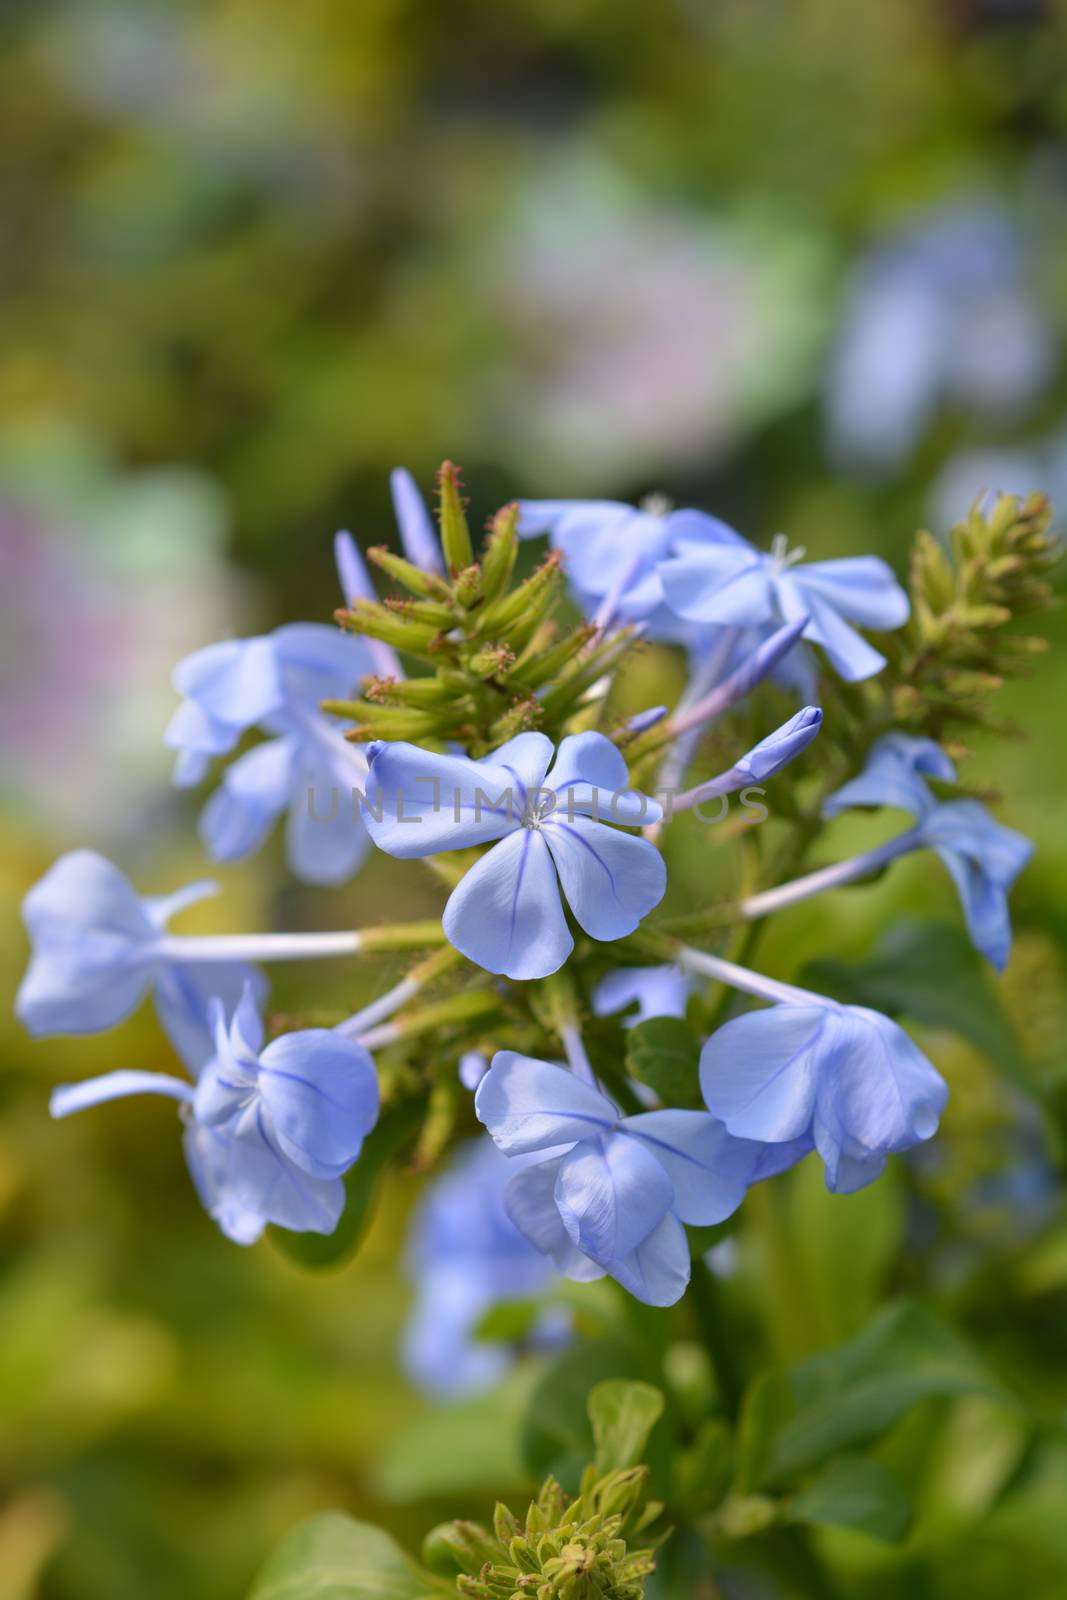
[553, 831]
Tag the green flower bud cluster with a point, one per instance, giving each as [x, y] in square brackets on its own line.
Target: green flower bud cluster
[955, 652]
[495, 663]
[563, 1550]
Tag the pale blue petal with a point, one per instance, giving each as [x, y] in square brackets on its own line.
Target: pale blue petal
[326, 834]
[160, 908]
[611, 1192]
[657, 1272]
[534, 1105]
[526, 758]
[590, 773]
[71, 1097]
[544, 516]
[877, 1091]
[775, 1158]
[254, 791]
[779, 748]
[863, 589]
[183, 991]
[984, 860]
[321, 1092]
[318, 662]
[352, 572]
[237, 682]
[420, 802]
[708, 1169]
[688, 527]
[658, 991]
[530, 1202]
[610, 879]
[260, 1179]
[505, 914]
[417, 533]
[207, 1152]
[893, 776]
[759, 1073]
[847, 651]
[190, 768]
[198, 737]
[722, 583]
[848, 1166]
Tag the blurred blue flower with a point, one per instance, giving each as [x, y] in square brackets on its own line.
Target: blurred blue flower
[506, 914]
[657, 991]
[843, 1079]
[735, 585]
[98, 947]
[942, 311]
[466, 1255]
[275, 682]
[268, 1132]
[983, 858]
[612, 551]
[611, 1193]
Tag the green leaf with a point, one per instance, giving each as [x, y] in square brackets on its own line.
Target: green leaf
[931, 973]
[854, 1392]
[704, 1469]
[855, 1492]
[623, 1415]
[767, 1407]
[333, 1557]
[664, 1052]
[557, 1435]
[318, 1250]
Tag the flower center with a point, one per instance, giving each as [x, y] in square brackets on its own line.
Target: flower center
[781, 555]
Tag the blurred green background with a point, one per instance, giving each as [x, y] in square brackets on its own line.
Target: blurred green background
[803, 264]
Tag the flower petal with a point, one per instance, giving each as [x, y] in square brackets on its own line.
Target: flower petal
[894, 776]
[506, 915]
[610, 879]
[321, 1092]
[723, 583]
[758, 1073]
[534, 1105]
[611, 1192]
[589, 774]
[237, 682]
[419, 802]
[326, 838]
[259, 1179]
[876, 1091]
[71, 1097]
[657, 1272]
[658, 991]
[708, 1169]
[182, 995]
[862, 588]
[530, 1202]
[254, 790]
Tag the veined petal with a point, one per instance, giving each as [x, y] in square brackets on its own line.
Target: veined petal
[722, 583]
[894, 775]
[71, 1097]
[877, 1091]
[530, 1202]
[534, 1105]
[260, 1179]
[321, 1092]
[590, 774]
[207, 1152]
[759, 1073]
[611, 1192]
[657, 1272]
[325, 834]
[610, 879]
[420, 803]
[506, 915]
[848, 1166]
[862, 588]
[525, 758]
[708, 1169]
[183, 991]
[237, 682]
[848, 652]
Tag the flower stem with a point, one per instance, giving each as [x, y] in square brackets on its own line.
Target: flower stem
[260, 946]
[832, 877]
[357, 1025]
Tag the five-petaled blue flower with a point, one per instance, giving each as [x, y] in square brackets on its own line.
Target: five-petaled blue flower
[983, 857]
[268, 1132]
[735, 585]
[843, 1080]
[275, 683]
[466, 1255]
[98, 947]
[611, 1193]
[549, 820]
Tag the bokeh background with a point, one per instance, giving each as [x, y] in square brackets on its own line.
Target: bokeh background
[798, 262]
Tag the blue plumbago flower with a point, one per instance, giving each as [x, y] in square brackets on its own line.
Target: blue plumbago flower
[98, 947]
[276, 683]
[657, 992]
[612, 551]
[843, 1079]
[736, 585]
[546, 821]
[466, 1255]
[268, 1132]
[611, 1193]
[983, 858]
